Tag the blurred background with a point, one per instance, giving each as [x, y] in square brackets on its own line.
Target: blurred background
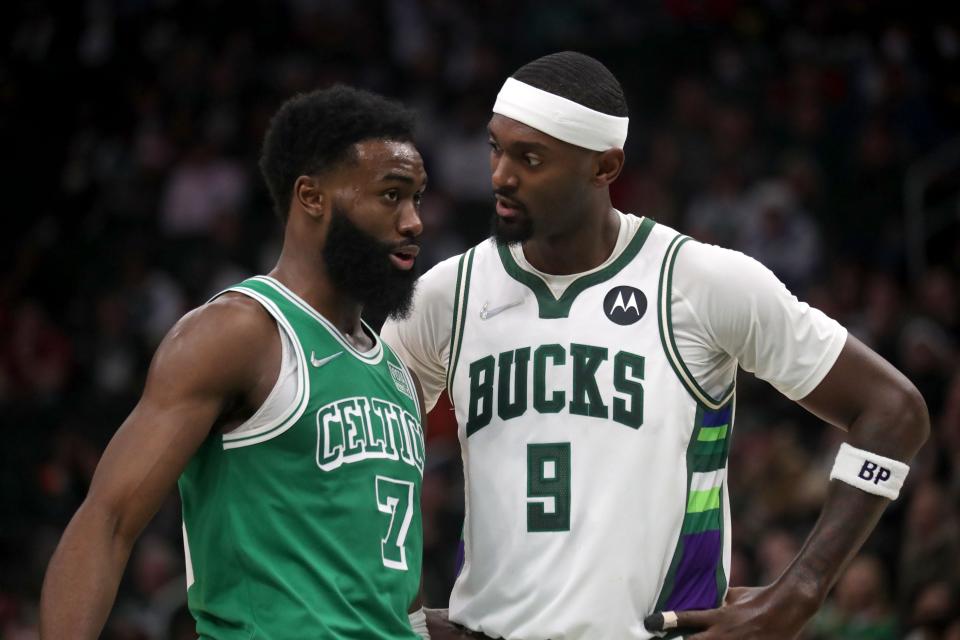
[820, 137]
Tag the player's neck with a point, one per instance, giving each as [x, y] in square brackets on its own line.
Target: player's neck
[582, 248]
[308, 279]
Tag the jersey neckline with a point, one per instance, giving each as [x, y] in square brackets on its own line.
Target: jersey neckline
[550, 306]
[373, 356]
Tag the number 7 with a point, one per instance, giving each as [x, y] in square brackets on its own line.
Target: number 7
[395, 497]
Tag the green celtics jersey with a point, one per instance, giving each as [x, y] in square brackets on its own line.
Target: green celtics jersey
[306, 523]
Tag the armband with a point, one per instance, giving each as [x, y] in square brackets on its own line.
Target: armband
[869, 472]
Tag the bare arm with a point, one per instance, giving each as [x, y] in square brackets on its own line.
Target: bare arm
[196, 369]
[884, 414]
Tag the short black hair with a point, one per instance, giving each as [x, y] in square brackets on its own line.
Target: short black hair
[577, 77]
[314, 132]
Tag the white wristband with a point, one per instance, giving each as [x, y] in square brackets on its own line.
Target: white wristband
[869, 472]
[418, 622]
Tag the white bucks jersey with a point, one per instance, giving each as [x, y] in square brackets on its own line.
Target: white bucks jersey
[596, 466]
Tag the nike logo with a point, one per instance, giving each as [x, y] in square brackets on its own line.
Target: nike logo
[487, 312]
[322, 361]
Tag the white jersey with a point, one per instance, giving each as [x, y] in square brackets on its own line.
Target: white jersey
[595, 461]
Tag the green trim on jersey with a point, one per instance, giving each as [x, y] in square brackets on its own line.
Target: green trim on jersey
[460, 299]
[706, 459]
[453, 322]
[552, 307]
[665, 320]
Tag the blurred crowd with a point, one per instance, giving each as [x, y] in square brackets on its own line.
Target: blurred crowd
[820, 137]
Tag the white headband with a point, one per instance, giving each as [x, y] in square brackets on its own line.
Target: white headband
[561, 118]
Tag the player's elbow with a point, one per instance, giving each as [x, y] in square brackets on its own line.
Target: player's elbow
[107, 524]
[910, 416]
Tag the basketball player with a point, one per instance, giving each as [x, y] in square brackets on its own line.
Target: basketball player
[591, 356]
[296, 434]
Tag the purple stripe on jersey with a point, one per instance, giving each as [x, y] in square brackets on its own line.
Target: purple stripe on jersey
[695, 583]
[460, 558]
[717, 418]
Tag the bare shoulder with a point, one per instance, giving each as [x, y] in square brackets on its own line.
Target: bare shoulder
[233, 313]
[222, 343]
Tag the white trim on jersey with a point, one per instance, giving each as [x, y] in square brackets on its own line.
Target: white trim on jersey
[188, 562]
[275, 427]
[282, 399]
[702, 483]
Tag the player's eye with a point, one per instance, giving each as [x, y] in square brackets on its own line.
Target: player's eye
[417, 199]
[392, 195]
[532, 160]
[494, 145]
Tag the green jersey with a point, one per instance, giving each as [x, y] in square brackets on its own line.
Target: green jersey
[306, 523]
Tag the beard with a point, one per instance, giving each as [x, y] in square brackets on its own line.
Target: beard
[359, 265]
[515, 231]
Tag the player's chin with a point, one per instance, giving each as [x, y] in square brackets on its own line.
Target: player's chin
[512, 230]
[400, 275]
[394, 299]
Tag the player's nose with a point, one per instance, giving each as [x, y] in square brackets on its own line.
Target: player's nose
[503, 177]
[409, 224]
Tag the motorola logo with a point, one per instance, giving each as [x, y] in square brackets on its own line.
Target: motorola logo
[624, 305]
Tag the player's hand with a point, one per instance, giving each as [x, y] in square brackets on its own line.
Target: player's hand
[751, 613]
[441, 628]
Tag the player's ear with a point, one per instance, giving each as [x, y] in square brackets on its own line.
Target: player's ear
[309, 196]
[608, 165]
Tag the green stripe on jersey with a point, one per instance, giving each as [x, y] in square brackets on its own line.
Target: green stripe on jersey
[700, 501]
[665, 320]
[461, 298]
[706, 474]
[712, 434]
[552, 307]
